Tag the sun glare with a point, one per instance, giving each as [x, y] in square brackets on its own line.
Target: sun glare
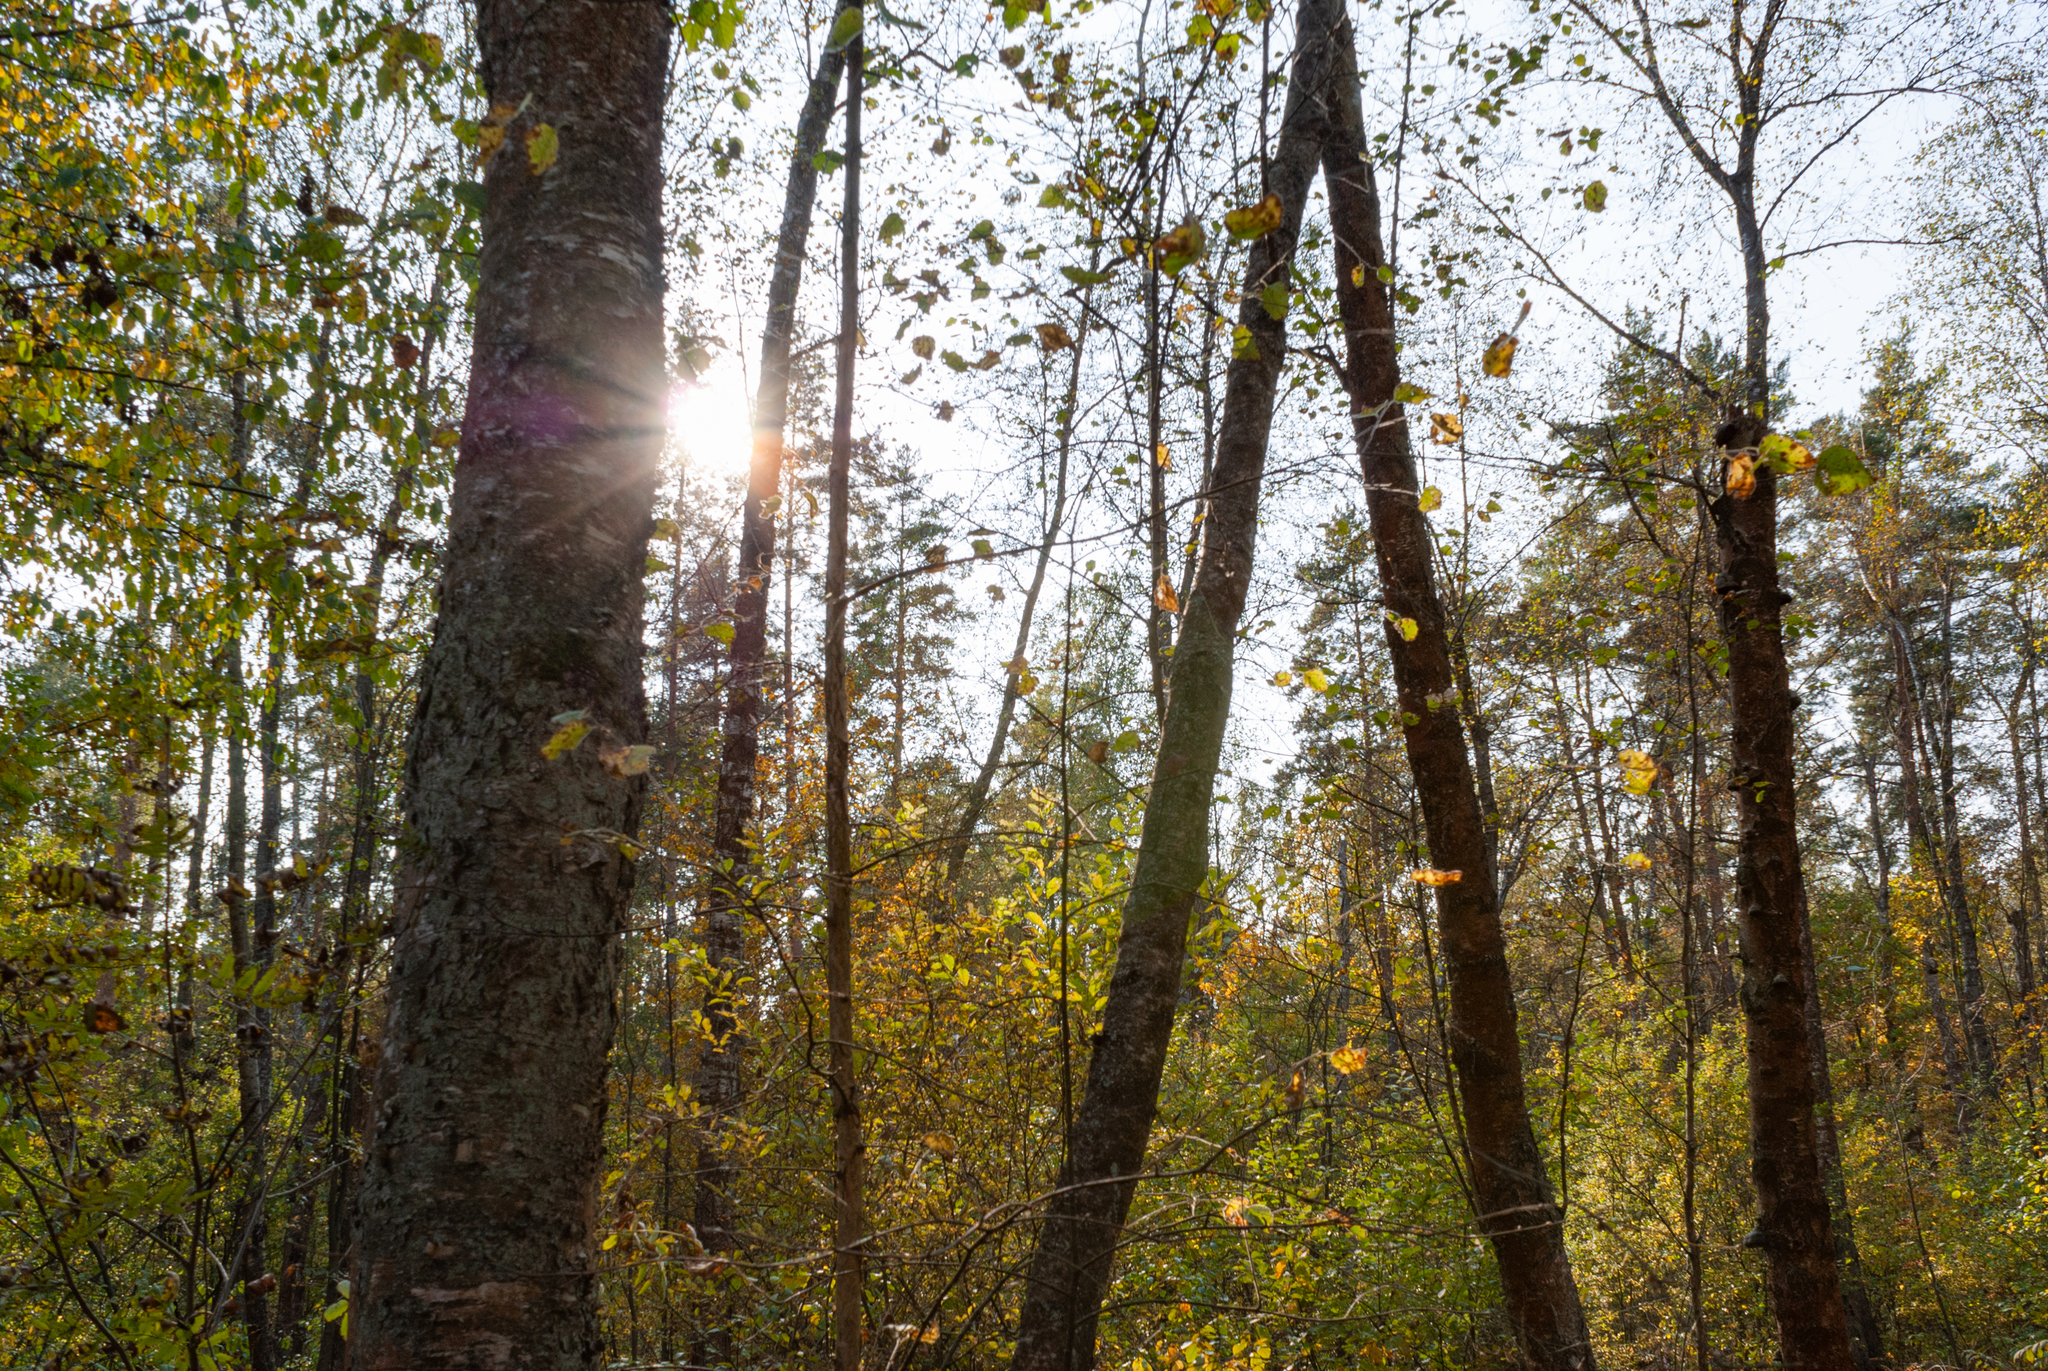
[709, 422]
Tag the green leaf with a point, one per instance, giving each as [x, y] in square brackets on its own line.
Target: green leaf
[827, 161]
[720, 633]
[573, 727]
[1242, 344]
[984, 549]
[1274, 298]
[1594, 196]
[1081, 277]
[845, 28]
[1053, 196]
[1838, 471]
[891, 227]
[542, 145]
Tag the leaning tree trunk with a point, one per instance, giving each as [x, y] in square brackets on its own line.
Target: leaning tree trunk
[476, 1237]
[725, 898]
[1070, 1268]
[1510, 1185]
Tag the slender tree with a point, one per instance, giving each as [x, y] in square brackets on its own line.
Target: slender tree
[1510, 1185]
[476, 1241]
[1105, 1152]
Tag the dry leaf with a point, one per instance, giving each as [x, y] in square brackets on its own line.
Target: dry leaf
[1741, 474]
[1446, 428]
[1053, 337]
[1254, 221]
[1639, 771]
[1163, 596]
[1429, 875]
[1348, 1058]
[1098, 751]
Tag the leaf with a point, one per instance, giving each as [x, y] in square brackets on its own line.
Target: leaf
[541, 146]
[924, 345]
[941, 1143]
[1784, 454]
[1594, 196]
[1446, 428]
[984, 549]
[1163, 455]
[1098, 751]
[1175, 251]
[1639, 771]
[1407, 628]
[1163, 596]
[1637, 861]
[572, 727]
[1254, 221]
[622, 762]
[995, 594]
[1283, 679]
[1053, 196]
[1348, 1058]
[655, 564]
[1430, 499]
[1126, 740]
[987, 360]
[827, 161]
[1741, 474]
[1315, 680]
[1500, 357]
[446, 438]
[1242, 344]
[721, 633]
[935, 555]
[1837, 471]
[1082, 277]
[1429, 875]
[1405, 394]
[892, 227]
[345, 217]
[1053, 337]
[1358, 276]
[845, 28]
[1274, 299]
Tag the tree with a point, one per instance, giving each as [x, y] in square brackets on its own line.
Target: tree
[476, 1230]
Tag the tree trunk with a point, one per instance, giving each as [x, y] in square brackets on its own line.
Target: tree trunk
[1976, 1029]
[1070, 1268]
[732, 854]
[2029, 904]
[1792, 1224]
[848, 1151]
[1510, 1184]
[476, 1224]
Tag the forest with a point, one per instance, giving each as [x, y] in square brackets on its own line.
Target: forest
[1177, 685]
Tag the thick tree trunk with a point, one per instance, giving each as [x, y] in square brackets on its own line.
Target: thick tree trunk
[1792, 1224]
[1510, 1186]
[848, 1150]
[732, 852]
[1070, 1268]
[1976, 1028]
[476, 1244]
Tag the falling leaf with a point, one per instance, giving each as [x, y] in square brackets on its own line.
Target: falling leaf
[103, 1018]
[1784, 454]
[1254, 221]
[988, 360]
[1242, 344]
[984, 549]
[1639, 771]
[1594, 196]
[1430, 499]
[1126, 740]
[1405, 394]
[1082, 277]
[1407, 628]
[1098, 751]
[995, 594]
[1176, 250]
[490, 131]
[622, 762]
[1274, 299]
[1234, 1211]
[1053, 337]
[345, 217]
[541, 147]
[1838, 472]
[404, 351]
[1315, 680]
[845, 28]
[1163, 596]
[1637, 861]
[1429, 875]
[655, 564]
[924, 345]
[1348, 1058]
[945, 411]
[1500, 358]
[1026, 683]
[571, 727]
[892, 227]
[446, 438]
[1446, 428]
[1741, 474]
[1283, 679]
[935, 555]
[1358, 276]
[1164, 457]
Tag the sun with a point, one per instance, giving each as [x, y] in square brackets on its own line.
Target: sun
[709, 423]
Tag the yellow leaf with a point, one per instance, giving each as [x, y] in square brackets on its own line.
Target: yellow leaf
[622, 762]
[1429, 875]
[1637, 861]
[941, 1143]
[1164, 458]
[490, 132]
[1500, 358]
[1786, 454]
[1741, 474]
[1446, 428]
[1348, 1058]
[1283, 679]
[1163, 596]
[1254, 221]
[1408, 628]
[569, 731]
[1234, 1211]
[1358, 276]
[1315, 680]
[1430, 498]
[541, 147]
[446, 438]
[1639, 771]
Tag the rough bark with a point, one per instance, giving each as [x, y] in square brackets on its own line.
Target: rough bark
[848, 1151]
[732, 851]
[1517, 1212]
[476, 1242]
[1976, 1028]
[1792, 1225]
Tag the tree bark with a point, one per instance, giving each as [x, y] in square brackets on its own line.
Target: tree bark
[476, 1241]
[1976, 1029]
[1510, 1185]
[732, 852]
[1071, 1264]
[848, 1151]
